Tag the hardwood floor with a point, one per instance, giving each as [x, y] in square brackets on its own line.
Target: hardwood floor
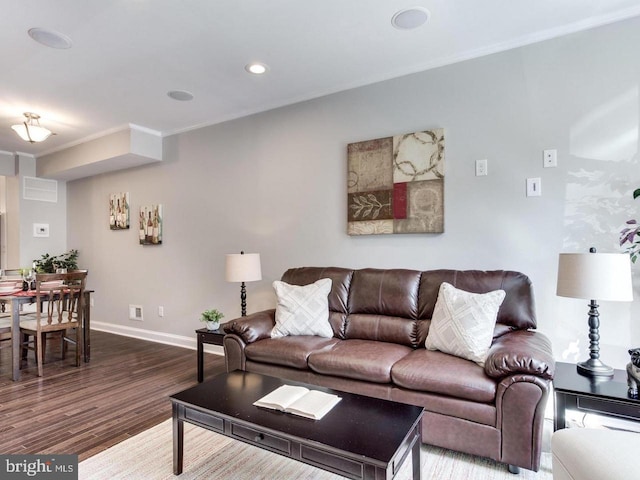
[84, 410]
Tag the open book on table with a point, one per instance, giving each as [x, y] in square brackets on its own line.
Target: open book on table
[299, 401]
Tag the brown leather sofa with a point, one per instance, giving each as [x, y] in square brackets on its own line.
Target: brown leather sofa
[380, 320]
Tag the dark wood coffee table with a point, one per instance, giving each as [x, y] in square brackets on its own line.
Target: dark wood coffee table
[361, 437]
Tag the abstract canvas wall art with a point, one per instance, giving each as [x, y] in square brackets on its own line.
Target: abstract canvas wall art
[396, 184]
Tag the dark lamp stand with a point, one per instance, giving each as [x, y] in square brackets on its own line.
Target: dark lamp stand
[594, 366]
[243, 299]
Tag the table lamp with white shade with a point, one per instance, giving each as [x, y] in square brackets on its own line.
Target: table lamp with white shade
[243, 267]
[591, 276]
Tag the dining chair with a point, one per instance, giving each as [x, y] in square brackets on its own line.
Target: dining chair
[12, 273]
[5, 332]
[7, 277]
[59, 298]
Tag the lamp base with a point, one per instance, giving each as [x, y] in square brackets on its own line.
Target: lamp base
[594, 368]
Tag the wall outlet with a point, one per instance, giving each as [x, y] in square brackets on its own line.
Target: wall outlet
[481, 167]
[550, 158]
[161, 311]
[136, 313]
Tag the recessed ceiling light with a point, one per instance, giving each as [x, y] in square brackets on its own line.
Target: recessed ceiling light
[50, 38]
[256, 68]
[180, 95]
[410, 18]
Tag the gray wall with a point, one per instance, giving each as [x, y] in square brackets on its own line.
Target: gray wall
[275, 183]
[20, 247]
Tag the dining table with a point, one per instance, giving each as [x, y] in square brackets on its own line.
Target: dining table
[23, 297]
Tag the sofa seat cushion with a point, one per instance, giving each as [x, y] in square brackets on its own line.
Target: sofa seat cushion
[359, 359]
[437, 372]
[476, 412]
[291, 351]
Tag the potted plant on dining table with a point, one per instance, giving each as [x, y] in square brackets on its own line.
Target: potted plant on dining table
[51, 263]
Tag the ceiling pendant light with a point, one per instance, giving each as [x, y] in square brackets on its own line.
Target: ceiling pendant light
[30, 130]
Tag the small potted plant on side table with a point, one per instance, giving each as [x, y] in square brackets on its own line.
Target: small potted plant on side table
[211, 318]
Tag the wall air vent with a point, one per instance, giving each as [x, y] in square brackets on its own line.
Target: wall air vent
[135, 313]
[40, 189]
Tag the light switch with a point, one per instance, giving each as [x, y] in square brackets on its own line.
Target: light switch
[534, 187]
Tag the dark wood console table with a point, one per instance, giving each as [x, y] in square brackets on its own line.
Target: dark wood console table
[603, 397]
[361, 437]
[212, 337]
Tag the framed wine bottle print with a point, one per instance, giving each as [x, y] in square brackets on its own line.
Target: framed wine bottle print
[150, 225]
[119, 211]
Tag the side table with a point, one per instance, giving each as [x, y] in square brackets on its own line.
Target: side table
[212, 337]
[603, 397]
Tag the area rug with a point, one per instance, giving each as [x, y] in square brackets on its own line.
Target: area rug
[208, 455]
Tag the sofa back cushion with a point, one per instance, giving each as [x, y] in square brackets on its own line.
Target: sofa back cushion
[359, 299]
[340, 283]
[392, 292]
[383, 305]
[517, 309]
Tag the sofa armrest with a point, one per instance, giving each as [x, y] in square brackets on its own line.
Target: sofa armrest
[521, 351]
[521, 400]
[253, 327]
[234, 357]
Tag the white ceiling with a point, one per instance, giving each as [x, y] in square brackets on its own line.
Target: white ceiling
[127, 54]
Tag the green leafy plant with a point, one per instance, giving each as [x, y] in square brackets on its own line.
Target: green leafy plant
[630, 235]
[49, 263]
[211, 316]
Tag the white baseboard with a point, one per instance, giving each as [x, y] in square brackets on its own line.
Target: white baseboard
[153, 336]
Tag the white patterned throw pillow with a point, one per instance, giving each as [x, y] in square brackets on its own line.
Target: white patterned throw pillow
[302, 310]
[463, 322]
